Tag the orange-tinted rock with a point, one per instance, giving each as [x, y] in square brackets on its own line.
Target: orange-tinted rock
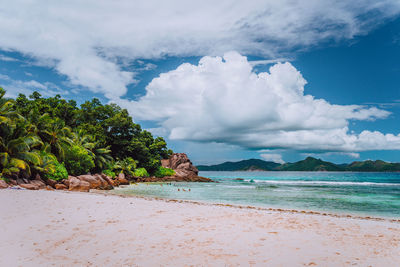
[29, 186]
[3, 184]
[22, 181]
[39, 184]
[93, 181]
[78, 185]
[183, 167]
[96, 181]
[48, 187]
[51, 183]
[66, 181]
[109, 181]
[116, 182]
[104, 184]
[121, 179]
[60, 186]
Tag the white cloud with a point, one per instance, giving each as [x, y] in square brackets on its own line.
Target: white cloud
[254, 63]
[273, 157]
[6, 58]
[348, 154]
[85, 40]
[15, 87]
[223, 100]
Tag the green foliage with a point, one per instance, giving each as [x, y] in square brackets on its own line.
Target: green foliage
[310, 164]
[59, 173]
[78, 161]
[50, 168]
[243, 165]
[101, 155]
[141, 172]
[109, 173]
[89, 138]
[373, 166]
[17, 146]
[127, 166]
[112, 127]
[162, 172]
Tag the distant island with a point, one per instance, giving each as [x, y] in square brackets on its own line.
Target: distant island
[308, 164]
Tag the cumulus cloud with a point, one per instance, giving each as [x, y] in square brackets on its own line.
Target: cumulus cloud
[6, 58]
[86, 40]
[223, 100]
[27, 87]
[347, 154]
[273, 157]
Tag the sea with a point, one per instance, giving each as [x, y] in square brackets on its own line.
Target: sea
[357, 193]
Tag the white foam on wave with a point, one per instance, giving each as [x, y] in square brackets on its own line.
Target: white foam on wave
[323, 183]
[238, 186]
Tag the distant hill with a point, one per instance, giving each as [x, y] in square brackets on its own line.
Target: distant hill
[373, 166]
[308, 164]
[243, 165]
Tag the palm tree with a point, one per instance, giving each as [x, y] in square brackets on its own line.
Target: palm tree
[127, 165]
[16, 153]
[101, 155]
[55, 134]
[16, 141]
[7, 113]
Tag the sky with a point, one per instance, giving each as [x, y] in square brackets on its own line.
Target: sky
[221, 81]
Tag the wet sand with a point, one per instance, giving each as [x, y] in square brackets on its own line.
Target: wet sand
[54, 228]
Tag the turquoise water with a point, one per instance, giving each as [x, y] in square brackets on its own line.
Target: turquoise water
[376, 194]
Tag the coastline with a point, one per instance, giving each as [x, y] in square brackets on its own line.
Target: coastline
[254, 207]
[76, 228]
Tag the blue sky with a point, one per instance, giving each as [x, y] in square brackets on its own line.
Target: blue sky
[223, 87]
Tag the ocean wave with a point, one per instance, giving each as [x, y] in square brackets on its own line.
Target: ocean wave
[322, 183]
[238, 186]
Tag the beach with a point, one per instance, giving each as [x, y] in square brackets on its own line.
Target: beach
[56, 228]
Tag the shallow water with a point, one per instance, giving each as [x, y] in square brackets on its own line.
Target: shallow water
[376, 194]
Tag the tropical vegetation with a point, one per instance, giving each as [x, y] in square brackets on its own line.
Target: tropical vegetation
[54, 138]
[308, 164]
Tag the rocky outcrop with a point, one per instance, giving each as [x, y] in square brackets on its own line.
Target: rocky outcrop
[181, 164]
[174, 179]
[78, 185]
[183, 167]
[121, 179]
[51, 182]
[185, 171]
[60, 187]
[38, 182]
[109, 181]
[3, 184]
[29, 186]
[93, 181]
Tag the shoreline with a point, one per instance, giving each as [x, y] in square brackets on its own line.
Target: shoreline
[250, 207]
[67, 228]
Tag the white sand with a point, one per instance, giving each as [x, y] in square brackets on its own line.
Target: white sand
[49, 228]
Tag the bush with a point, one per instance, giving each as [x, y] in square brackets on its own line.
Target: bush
[58, 173]
[162, 172]
[127, 166]
[78, 161]
[51, 168]
[141, 172]
[152, 165]
[109, 173]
